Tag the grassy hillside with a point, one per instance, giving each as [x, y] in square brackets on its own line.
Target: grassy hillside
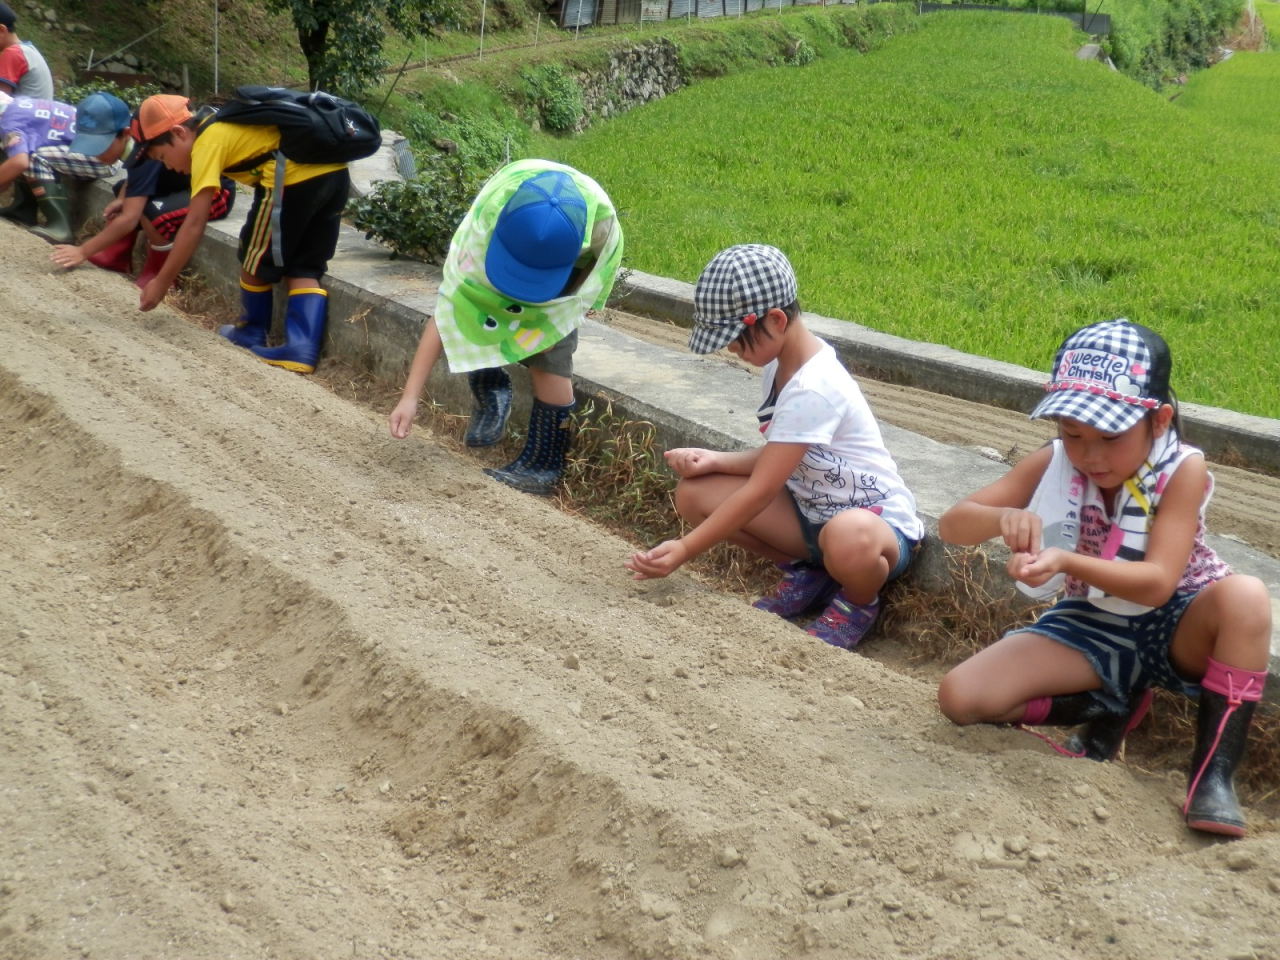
[972, 184]
[1240, 95]
[253, 46]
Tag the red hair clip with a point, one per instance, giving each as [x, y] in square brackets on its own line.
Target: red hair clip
[749, 319]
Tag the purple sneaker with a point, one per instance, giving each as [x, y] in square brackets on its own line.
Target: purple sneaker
[844, 623]
[802, 586]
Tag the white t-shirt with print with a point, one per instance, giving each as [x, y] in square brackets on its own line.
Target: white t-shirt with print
[847, 464]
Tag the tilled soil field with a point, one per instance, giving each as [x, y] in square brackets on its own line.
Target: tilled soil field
[274, 685]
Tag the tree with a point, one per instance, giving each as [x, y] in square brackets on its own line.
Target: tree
[342, 39]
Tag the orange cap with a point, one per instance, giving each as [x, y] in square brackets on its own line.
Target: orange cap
[160, 114]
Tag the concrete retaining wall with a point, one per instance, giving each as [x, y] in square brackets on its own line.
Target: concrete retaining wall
[1220, 433]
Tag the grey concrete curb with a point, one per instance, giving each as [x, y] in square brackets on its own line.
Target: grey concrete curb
[940, 369]
[379, 306]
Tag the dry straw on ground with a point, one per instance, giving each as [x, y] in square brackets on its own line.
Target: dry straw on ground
[947, 625]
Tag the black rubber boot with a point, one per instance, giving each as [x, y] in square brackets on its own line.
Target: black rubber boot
[55, 203]
[546, 451]
[23, 206]
[492, 389]
[1211, 797]
[1104, 729]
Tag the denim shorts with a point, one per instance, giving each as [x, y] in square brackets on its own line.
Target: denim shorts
[1127, 653]
[810, 531]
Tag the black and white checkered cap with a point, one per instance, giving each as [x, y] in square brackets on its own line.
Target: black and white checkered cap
[750, 278]
[1108, 376]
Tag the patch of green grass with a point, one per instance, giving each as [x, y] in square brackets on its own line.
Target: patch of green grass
[971, 184]
[715, 47]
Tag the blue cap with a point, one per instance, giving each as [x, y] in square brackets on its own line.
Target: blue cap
[538, 238]
[99, 119]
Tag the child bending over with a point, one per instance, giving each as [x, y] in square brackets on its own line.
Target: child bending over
[1112, 513]
[539, 248]
[822, 498]
[153, 199]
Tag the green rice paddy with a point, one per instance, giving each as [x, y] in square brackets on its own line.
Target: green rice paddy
[973, 184]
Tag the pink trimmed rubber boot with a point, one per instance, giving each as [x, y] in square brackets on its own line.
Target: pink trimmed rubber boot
[1228, 699]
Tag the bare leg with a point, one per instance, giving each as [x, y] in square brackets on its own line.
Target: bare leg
[154, 237]
[773, 533]
[1229, 620]
[994, 685]
[859, 549]
[551, 388]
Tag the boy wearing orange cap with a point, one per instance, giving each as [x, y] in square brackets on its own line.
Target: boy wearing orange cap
[288, 237]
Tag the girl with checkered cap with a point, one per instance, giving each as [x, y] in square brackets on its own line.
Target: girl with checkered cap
[1112, 515]
[822, 498]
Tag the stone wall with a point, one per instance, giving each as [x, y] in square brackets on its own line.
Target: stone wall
[633, 76]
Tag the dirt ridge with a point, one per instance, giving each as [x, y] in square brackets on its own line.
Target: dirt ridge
[272, 685]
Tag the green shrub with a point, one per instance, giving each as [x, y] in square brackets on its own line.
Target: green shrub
[866, 28]
[1155, 40]
[822, 27]
[484, 127]
[556, 94]
[417, 218]
[73, 93]
[802, 54]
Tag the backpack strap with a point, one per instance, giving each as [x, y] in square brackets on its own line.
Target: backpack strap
[245, 166]
[277, 209]
[207, 117]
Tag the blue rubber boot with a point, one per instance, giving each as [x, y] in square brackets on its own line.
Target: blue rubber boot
[492, 390]
[255, 318]
[546, 451]
[303, 331]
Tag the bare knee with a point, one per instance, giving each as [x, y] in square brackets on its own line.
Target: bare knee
[1246, 605]
[1241, 623]
[850, 543]
[689, 498]
[958, 701]
[855, 542]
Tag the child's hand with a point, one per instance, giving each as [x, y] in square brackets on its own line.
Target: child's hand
[1037, 569]
[112, 210]
[402, 418]
[152, 295]
[67, 256]
[1020, 530]
[661, 561]
[691, 461]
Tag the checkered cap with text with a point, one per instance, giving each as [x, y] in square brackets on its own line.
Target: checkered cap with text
[1108, 375]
